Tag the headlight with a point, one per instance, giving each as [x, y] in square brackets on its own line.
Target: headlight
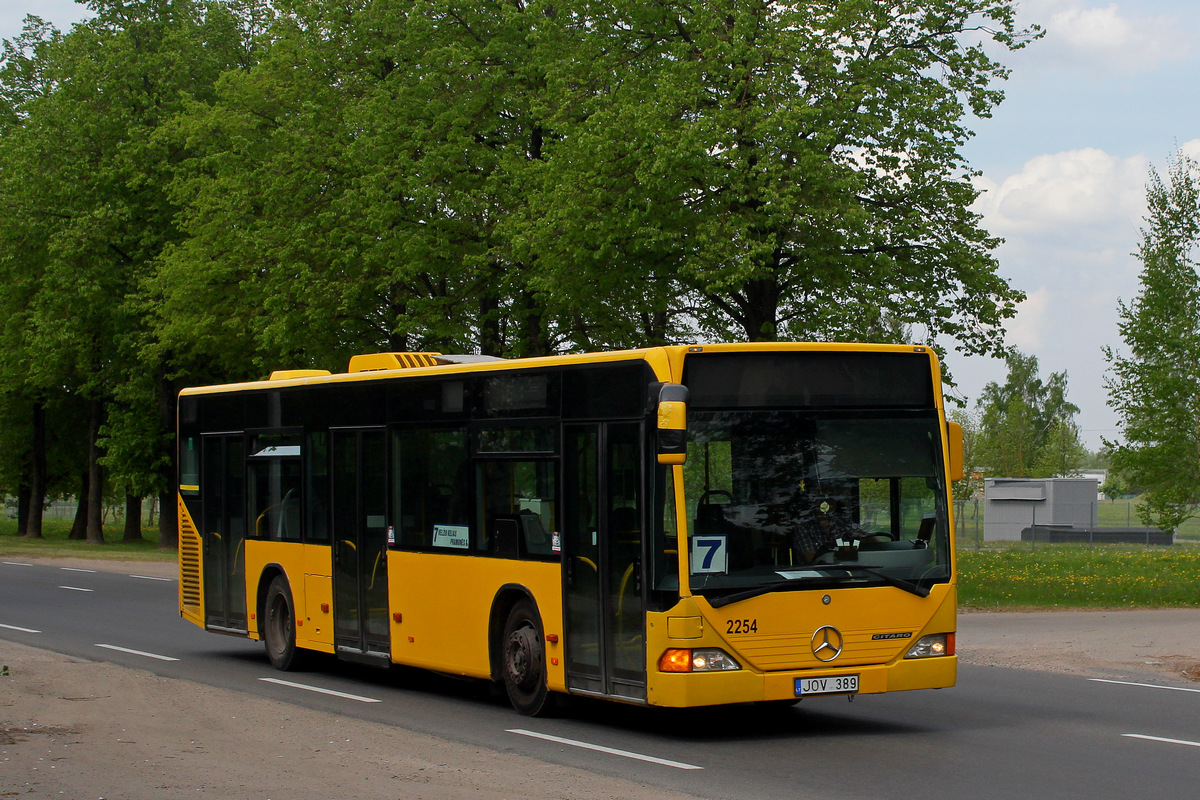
[700, 659]
[935, 644]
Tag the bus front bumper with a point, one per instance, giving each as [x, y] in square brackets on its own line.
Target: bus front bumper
[684, 690]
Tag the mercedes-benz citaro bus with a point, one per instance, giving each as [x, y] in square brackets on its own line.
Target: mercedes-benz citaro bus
[674, 526]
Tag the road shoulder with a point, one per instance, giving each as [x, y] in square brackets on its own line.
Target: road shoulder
[71, 727]
[1126, 643]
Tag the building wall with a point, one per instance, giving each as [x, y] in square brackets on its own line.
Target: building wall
[1013, 504]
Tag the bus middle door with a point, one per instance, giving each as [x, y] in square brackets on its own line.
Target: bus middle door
[360, 590]
[602, 546]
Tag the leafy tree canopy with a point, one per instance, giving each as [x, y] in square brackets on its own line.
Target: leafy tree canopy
[1027, 425]
[1154, 384]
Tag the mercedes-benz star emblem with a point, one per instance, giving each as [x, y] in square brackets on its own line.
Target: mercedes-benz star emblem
[827, 643]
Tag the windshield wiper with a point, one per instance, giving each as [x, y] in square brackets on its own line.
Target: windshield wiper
[797, 583]
[899, 583]
[737, 597]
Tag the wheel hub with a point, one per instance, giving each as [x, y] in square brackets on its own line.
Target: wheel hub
[520, 646]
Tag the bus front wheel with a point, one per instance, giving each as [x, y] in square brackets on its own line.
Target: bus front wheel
[279, 625]
[525, 662]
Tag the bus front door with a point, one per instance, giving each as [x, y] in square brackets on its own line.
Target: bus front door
[360, 594]
[223, 487]
[602, 560]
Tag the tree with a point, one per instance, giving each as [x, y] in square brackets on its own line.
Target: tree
[1028, 426]
[358, 186]
[25, 81]
[527, 177]
[971, 485]
[789, 167]
[86, 212]
[1155, 385]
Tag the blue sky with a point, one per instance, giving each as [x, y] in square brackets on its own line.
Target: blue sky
[1110, 92]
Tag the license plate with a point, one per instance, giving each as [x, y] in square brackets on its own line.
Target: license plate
[830, 684]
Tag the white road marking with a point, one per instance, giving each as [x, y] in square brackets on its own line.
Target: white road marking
[136, 652]
[1160, 739]
[1145, 685]
[151, 578]
[76, 569]
[17, 564]
[319, 690]
[18, 628]
[601, 749]
[76, 589]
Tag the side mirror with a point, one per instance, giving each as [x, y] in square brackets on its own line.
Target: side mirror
[672, 423]
[954, 442]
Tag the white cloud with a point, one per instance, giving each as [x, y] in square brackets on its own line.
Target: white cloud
[1068, 194]
[1111, 38]
[1026, 330]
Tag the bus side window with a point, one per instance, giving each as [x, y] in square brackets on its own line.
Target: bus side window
[430, 490]
[273, 481]
[516, 507]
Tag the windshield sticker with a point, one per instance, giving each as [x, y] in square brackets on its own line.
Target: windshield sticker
[797, 574]
[710, 554]
[456, 536]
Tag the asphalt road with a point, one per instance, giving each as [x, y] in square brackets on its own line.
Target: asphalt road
[1001, 733]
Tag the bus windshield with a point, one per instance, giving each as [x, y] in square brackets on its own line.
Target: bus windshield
[785, 500]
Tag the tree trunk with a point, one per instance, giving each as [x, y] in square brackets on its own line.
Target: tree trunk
[168, 521]
[23, 506]
[133, 518]
[37, 474]
[490, 338]
[529, 316]
[762, 309]
[79, 526]
[95, 506]
[168, 517]
[654, 328]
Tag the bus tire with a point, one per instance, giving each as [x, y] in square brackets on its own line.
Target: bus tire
[524, 662]
[279, 625]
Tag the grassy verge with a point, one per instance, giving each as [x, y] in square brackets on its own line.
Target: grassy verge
[57, 545]
[1078, 576]
[1000, 577]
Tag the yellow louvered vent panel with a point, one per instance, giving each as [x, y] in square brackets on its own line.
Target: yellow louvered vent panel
[189, 567]
[376, 361]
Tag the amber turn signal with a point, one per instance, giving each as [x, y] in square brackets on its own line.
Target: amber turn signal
[675, 660]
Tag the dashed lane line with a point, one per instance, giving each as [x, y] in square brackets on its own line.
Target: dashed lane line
[1160, 739]
[136, 652]
[320, 690]
[1145, 685]
[601, 749]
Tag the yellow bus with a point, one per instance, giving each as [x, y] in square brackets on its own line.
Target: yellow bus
[674, 526]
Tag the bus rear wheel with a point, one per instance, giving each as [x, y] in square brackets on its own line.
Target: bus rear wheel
[525, 662]
[279, 625]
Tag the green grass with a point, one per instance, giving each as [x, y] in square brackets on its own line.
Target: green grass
[1002, 576]
[1078, 576]
[55, 543]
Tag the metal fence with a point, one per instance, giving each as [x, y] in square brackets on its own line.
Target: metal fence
[1096, 522]
[66, 508]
